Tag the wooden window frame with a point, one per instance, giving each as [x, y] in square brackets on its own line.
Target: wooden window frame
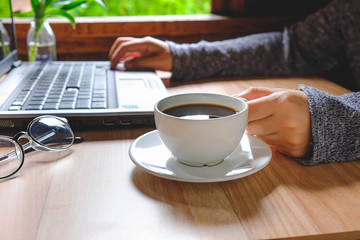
[93, 36]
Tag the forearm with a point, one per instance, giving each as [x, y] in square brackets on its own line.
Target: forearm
[258, 54]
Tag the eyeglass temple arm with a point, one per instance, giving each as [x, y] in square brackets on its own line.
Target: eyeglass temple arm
[27, 148]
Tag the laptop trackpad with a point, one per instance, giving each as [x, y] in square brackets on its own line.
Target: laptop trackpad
[137, 91]
[130, 83]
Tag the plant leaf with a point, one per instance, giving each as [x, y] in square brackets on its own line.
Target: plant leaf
[36, 7]
[35, 4]
[24, 14]
[101, 2]
[62, 2]
[54, 12]
[49, 2]
[73, 4]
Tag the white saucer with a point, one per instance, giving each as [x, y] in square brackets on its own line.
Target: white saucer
[149, 153]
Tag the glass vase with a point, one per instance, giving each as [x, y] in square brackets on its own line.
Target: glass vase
[4, 42]
[41, 42]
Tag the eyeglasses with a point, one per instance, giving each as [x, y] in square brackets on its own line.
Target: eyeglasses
[44, 133]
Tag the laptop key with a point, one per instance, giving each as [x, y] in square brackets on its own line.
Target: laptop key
[17, 103]
[33, 107]
[84, 95]
[67, 105]
[51, 106]
[83, 104]
[53, 100]
[36, 102]
[98, 105]
[14, 108]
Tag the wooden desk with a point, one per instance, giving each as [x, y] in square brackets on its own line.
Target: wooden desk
[94, 191]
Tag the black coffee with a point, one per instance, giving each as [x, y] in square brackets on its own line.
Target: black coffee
[200, 111]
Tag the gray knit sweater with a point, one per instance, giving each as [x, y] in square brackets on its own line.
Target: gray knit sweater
[324, 40]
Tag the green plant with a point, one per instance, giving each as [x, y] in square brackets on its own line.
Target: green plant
[143, 7]
[42, 9]
[3, 38]
[138, 7]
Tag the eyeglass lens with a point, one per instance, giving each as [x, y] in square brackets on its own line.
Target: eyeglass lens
[51, 133]
[11, 157]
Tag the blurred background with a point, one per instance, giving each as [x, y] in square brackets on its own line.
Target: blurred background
[129, 8]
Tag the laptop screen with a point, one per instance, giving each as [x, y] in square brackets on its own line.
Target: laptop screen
[8, 53]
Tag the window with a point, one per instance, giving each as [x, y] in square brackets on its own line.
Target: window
[93, 36]
[141, 7]
[129, 8]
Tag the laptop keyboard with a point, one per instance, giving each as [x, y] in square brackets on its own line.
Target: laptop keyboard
[63, 86]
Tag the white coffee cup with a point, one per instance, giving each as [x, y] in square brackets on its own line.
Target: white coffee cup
[201, 142]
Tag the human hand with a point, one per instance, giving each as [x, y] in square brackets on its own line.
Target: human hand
[141, 53]
[281, 118]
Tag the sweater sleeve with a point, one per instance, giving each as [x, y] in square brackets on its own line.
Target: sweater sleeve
[250, 55]
[312, 46]
[335, 122]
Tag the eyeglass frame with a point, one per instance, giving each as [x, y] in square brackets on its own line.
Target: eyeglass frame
[27, 147]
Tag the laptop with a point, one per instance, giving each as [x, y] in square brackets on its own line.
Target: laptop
[88, 93]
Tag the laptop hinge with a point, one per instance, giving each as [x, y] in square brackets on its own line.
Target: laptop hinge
[16, 63]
